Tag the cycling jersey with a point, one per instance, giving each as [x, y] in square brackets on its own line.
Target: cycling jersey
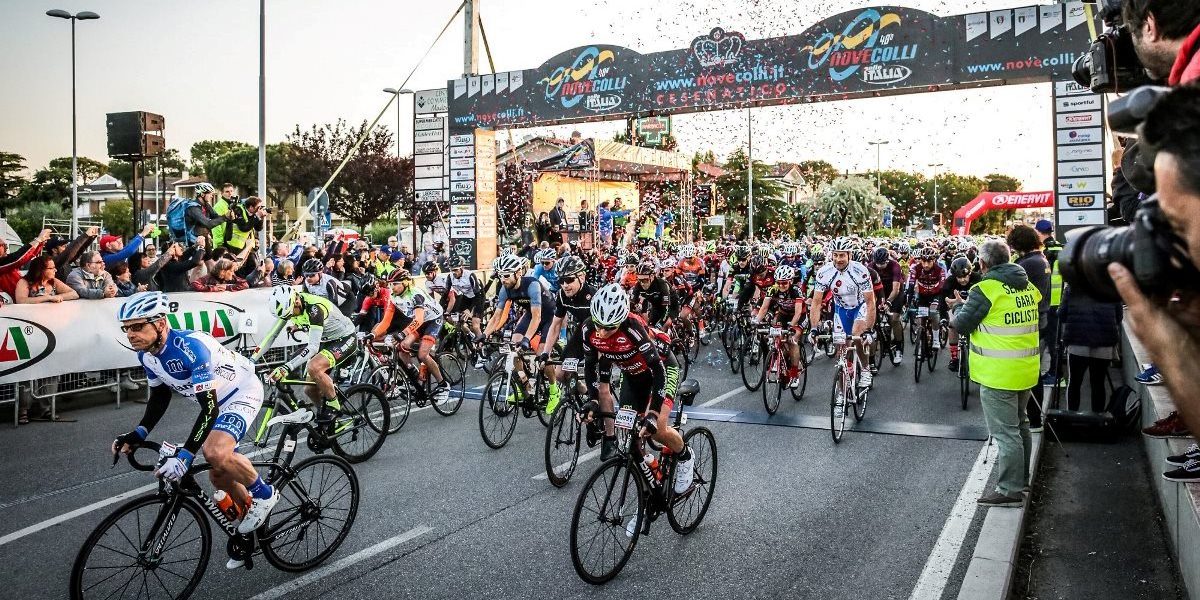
[325, 324]
[849, 286]
[785, 302]
[651, 377]
[329, 288]
[928, 280]
[694, 272]
[889, 273]
[412, 299]
[528, 293]
[193, 364]
[466, 286]
[548, 277]
[439, 285]
[578, 306]
[657, 298]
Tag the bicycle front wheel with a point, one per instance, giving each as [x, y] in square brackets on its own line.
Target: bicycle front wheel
[315, 512]
[688, 509]
[397, 392]
[798, 391]
[562, 444]
[837, 405]
[362, 424]
[964, 377]
[454, 371]
[497, 413]
[118, 561]
[607, 522]
[775, 379]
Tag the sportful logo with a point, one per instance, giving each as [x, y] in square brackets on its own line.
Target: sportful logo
[24, 343]
[591, 78]
[719, 48]
[862, 46]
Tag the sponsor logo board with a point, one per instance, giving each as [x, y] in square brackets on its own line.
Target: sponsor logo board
[1081, 169]
[1091, 135]
[428, 135]
[431, 101]
[1078, 201]
[1073, 185]
[1088, 152]
[1070, 218]
[1071, 103]
[1079, 119]
[431, 196]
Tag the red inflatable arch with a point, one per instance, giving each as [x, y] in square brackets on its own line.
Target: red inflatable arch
[986, 201]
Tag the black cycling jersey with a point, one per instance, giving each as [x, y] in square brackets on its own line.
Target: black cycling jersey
[578, 306]
[783, 302]
[658, 300]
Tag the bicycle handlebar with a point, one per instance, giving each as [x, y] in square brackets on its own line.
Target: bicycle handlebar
[133, 462]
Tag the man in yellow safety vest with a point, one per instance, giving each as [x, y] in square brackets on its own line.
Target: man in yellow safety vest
[1001, 317]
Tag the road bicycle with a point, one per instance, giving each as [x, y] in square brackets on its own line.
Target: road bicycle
[511, 392]
[685, 343]
[456, 338]
[775, 374]
[567, 433]
[883, 348]
[358, 428]
[626, 494]
[158, 545]
[924, 351]
[752, 357]
[846, 393]
[405, 385]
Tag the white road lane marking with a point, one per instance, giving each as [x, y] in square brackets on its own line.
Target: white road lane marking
[722, 397]
[327, 570]
[941, 560]
[582, 459]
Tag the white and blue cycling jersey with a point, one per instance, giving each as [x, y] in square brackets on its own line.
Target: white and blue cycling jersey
[850, 287]
[193, 362]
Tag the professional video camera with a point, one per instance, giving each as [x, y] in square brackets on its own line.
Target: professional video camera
[1110, 64]
[1149, 248]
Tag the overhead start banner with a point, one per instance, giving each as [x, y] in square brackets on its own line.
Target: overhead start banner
[44, 340]
[860, 52]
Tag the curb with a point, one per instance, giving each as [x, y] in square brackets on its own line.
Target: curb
[994, 562]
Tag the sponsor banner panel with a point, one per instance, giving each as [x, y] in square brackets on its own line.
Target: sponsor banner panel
[1091, 118]
[1081, 169]
[1075, 185]
[1080, 201]
[1088, 152]
[1077, 218]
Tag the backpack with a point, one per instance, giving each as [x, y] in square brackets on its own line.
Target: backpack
[177, 220]
[1125, 406]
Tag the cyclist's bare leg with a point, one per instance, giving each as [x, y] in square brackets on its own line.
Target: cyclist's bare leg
[231, 471]
[667, 435]
[861, 327]
[425, 355]
[793, 351]
[318, 372]
[607, 405]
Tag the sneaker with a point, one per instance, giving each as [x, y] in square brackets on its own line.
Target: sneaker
[608, 449]
[234, 563]
[441, 392]
[994, 498]
[1038, 428]
[953, 364]
[874, 368]
[1188, 473]
[897, 358]
[632, 526]
[1150, 376]
[793, 381]
[685, 471]
[865, 379]
[480, 363]
[259, 509]
[1179, 460]
[1170, 426]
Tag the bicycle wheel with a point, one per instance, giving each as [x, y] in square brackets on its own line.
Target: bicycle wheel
[563, 438]
[736, 342]
[600, 544]
[683, 358]
[932, 357]
[913, 332]
[860, 404]
[693, 341]
[686, 510]
[316, 511]
[775, 378]
[497, 416]
[753, 359]
[837, 405]
[397, 392]
[542, 397]
[808, 350]
[115, 560]
[964, 377]
[369, 423]
[451, 364]
[918, 357]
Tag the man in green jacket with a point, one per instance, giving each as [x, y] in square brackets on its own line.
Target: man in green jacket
[1001, 316]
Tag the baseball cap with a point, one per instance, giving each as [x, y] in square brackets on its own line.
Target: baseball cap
[397, 255]
[105, 240]
[1044, 226]
[55, 242]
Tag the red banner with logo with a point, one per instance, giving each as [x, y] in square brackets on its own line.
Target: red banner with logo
[986, 201]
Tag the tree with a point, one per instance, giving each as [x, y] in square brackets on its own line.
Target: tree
[908, 194]
[769, 208]
[373, 183]
[994, 221]
[47, 185]
[11, 180]
[117, 216]
[27, 219]
[999, 182]
[703, 157]
[849, 205]
[817, 173]
[205, 151]
[90, 169]
[954, 191]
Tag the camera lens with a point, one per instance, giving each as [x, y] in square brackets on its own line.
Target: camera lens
[1084, 260]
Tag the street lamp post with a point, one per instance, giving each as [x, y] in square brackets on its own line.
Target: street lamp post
[878, 154]
[936, 214]
[395, 92]
[81, 16]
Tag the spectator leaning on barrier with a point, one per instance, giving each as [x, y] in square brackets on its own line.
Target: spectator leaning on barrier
[40, 284]
[113, 249]
[90, 279]
[1001, 316]
[123, 279]
[12, 263]
[66, 253]
[1170, 331]
[285, 273]
[220, 279]
[143, 269]
[1166, 37]
[173, 276]
[1027, 245]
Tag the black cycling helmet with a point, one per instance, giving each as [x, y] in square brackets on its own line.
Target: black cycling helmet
[647, 267]
[960, 266]
[312, 266]
[456, 262]
[430, 267]
[880, 256]
[399, 275]
[569, 265]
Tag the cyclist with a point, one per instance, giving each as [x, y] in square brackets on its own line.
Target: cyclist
[437, 284]
[693, 276]
[788, 305]
[652, 295]
[421, 318]
[571, 310]
[615, 338]
[890, 274]
[926, 280]
[319, 283]
[962, 277]
[465, 296]
[853, 298]
[740, 272]
[330, 339]
[545, 269]
[518, 290]
[194, 365]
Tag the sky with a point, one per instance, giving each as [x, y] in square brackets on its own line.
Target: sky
[196, 63]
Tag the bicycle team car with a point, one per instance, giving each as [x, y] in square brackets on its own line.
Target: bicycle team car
[598, 353]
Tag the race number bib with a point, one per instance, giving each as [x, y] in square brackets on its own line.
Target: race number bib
[923, 311]
[775, 332]
[570, 365]
[626, 418]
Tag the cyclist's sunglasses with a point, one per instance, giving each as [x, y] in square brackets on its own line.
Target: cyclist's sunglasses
[136, 327]
[569, 279]
[604, 327]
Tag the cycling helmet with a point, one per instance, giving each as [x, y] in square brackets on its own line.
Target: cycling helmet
[312, 266]
[710, 246]
[456, 262]
[204, 187]
[631, 260]
[398, 275]
[510, 264]
[283, 299]
[144, 305]
[928, 252]
[546, 255]
[842, 245]
[666, 263]
[647, 267]
[960, 266]
[569, 265]
[880, 256]
[904, 250]
[430, 267]
[784, 273]
[816, 249]
[507, 251]
[610, 305]
[791, 248]
[687, 251]
[964, 245]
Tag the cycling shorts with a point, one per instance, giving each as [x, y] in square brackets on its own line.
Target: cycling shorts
[574, 347]
[340, 350]
[844, 318]
[543, 328]
[638, 393]
[238, 411]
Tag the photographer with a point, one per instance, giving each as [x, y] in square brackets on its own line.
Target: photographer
[245, 221]
[1166, 37]
[1170, 330]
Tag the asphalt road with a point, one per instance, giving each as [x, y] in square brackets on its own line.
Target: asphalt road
[443, 516]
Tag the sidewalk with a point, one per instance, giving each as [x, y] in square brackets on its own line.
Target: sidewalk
[1096, 530]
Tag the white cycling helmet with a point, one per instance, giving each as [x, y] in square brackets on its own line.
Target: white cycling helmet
[784, 272]
[204, 187]
[842, 245]
[507, 265]
[791, 248]
[283, 299]
[687, 251]
[610, 305]
[546, 255]
[144, 305]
